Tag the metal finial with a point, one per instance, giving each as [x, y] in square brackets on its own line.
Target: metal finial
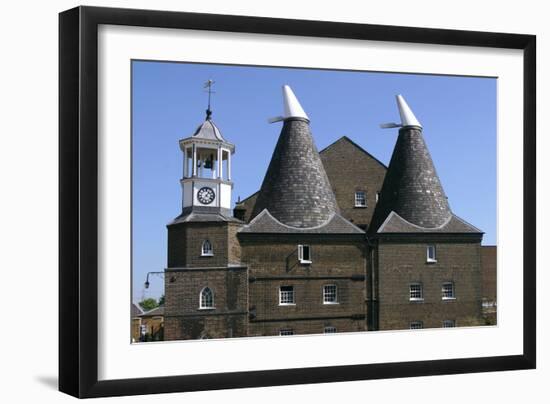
[208, 86]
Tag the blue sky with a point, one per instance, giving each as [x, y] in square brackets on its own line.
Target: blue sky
[169, 102]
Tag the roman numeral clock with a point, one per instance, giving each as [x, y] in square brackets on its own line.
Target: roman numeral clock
[206, 195]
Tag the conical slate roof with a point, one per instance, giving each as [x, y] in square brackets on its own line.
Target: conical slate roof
[296, 190]
[411, 187]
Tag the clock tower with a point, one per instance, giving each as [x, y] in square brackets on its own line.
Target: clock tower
[206, 182]
[206, 286]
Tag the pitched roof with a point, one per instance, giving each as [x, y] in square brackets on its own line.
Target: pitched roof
[347, 139]
[203, 217]
[296, 189]
[411, 187]
[266, 223]
[135, 310]
[157, 311]
[396, 224]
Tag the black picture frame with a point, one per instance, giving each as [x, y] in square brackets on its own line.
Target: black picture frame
[78, 200]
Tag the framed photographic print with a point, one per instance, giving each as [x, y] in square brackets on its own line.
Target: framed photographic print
[251, 201]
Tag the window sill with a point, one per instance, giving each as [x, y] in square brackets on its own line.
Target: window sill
[448, 298]
[207, 308]
[287, 304]
[331, 303]
[305, 262]
[207, 255]
[360, 206]
[431, 261]
[416, 300]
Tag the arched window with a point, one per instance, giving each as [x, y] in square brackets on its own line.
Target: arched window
[206, 298]
[206, 249]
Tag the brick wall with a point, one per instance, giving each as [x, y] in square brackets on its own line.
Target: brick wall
[350, 169]
[489, 272]
[183, 317]
[185, 243]
[489, 283]
[273, 262]
[205, 327]
[306, 327]
[400, 264]
[233, 246]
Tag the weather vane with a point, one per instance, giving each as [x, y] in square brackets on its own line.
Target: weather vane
[208, 86]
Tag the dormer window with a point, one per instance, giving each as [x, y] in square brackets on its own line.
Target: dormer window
[430, 254]
[206, 249]
[304, 254]
[360, 199]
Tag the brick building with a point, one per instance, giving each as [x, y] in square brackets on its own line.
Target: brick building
[333, 241]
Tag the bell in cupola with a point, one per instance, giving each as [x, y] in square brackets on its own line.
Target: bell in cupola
[209, 162]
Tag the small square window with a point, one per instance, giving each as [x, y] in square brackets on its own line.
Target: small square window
[330, 294]
[304, 254]
[330, 330]
[360, 199]
[286, 331]
[416, 325]
[448, 324]
[430, 254]
[286, 295]
[447, 291]
[415, 292]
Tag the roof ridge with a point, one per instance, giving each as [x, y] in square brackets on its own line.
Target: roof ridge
[468, 223]
[248, 197]
[345, 137]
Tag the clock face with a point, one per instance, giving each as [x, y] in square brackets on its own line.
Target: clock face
[206, 195]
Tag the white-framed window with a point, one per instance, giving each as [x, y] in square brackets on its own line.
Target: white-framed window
[415, 292]
[330, 294]
[416, 325]
[304, 254]
[447, 291]
[286, 331]
[206, 249]
[430, 254]
[449, 324]
[206, 298]
[360, 199]
[329, 330]
[286, 295]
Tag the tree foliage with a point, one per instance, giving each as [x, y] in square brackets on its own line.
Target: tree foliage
[148, 304]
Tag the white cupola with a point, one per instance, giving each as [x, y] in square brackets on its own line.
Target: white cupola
[206, 182]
